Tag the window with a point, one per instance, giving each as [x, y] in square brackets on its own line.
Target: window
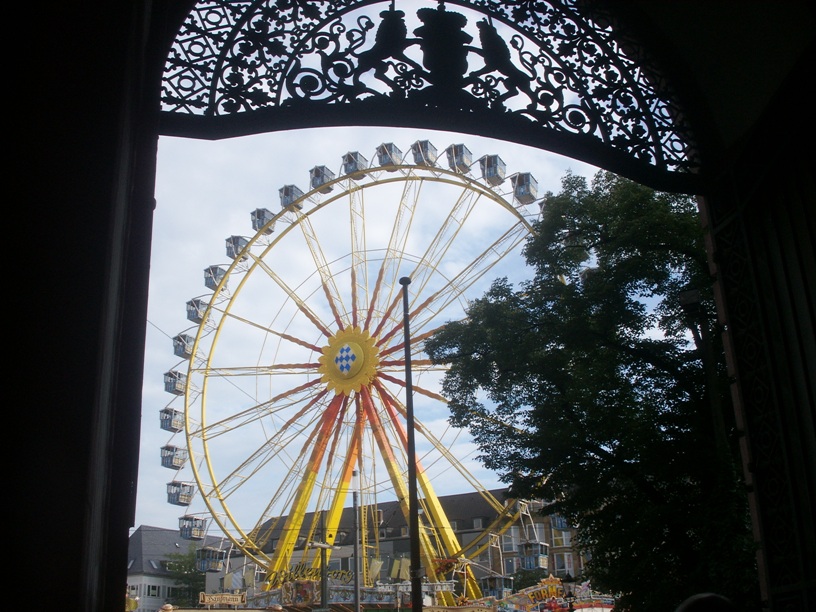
[561, 537]
[152, 590]
[477, 523]
[562, 564]
[559, 522]
[510, 539]
[533, 532]
[454, 525]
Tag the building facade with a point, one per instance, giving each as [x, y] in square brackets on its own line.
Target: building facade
[535, 541]
[149, 581]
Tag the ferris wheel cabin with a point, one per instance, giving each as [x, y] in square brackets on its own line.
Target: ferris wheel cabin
[289, 194]
[235, 245]
[174, 382]
[196, 309]
[209, 559]
[192, 527]
[260, 218]
[213, 276]
[171, 420]
[173, 457]
[388, 154]
[424, 153]
[493, 169]
[525, 187]
[533, 555]
[183, 346]
[459, 158]
[319, 176]
[180, 493]
[353, 163]
[500, 587]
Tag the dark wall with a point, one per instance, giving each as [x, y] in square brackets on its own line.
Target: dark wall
[762, 215]
[86, 76]
[82, 214]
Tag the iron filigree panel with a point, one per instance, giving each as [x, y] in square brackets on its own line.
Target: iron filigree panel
[544, 69]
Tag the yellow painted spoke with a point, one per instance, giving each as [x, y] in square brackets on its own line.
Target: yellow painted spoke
[323, 269]
[291, 294]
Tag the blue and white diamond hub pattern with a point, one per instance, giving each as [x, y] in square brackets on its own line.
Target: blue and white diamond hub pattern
[345, 359]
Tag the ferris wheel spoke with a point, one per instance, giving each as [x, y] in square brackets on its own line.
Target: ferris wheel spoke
[418, 389]
[299, 506]
[416, 341]
[397, 408]
[393, 463]
[444, 238]
[359, 265]
[429, 308]
[323, 268]
[268, 330]
[285, 435]
[292, 295]
[442, 527]
[310, 392]
[272, 369]
[384, 297]
[398, 365]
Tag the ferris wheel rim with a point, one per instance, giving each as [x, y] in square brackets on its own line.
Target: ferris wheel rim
[222, 516]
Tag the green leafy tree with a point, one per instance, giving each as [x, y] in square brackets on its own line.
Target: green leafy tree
[525, 578]
[592, 387]
[191, 581]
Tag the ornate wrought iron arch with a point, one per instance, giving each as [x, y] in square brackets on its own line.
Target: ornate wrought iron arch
[553, 74]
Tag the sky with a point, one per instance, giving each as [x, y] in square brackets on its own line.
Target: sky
[205, 192]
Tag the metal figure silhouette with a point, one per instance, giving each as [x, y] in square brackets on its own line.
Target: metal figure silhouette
[497, 58]
[390, 42]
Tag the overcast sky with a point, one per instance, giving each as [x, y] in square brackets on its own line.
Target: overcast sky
[205, 192]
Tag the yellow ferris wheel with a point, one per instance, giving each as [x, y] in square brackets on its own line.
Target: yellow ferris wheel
[295, 367]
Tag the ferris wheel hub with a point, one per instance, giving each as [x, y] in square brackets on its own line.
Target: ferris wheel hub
[349, 361]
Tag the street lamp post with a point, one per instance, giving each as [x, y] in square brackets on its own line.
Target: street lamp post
[324, 574]
[569, 597]
[355, 485]
[413, 501]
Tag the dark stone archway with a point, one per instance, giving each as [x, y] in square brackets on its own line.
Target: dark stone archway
[91, 119]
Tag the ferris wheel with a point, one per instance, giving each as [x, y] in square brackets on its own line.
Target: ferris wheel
[293, 377]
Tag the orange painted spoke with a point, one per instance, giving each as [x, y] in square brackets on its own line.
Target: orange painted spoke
[297, 511]
[415, 339]
[307, 312]
[287, 337]
[212, 430]
[269, 449]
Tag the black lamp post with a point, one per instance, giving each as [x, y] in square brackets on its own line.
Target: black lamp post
[324, 578]
[357, 567]
[569, 597]
[413, 497]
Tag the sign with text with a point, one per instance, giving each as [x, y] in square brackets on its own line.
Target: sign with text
[229, 599]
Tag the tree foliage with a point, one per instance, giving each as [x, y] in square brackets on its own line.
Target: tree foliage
[591, 387]
[191, 581]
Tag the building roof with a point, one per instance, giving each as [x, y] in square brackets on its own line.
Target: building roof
[149, 546]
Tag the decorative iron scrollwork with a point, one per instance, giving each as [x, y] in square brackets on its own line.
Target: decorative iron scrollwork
[532, 65]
